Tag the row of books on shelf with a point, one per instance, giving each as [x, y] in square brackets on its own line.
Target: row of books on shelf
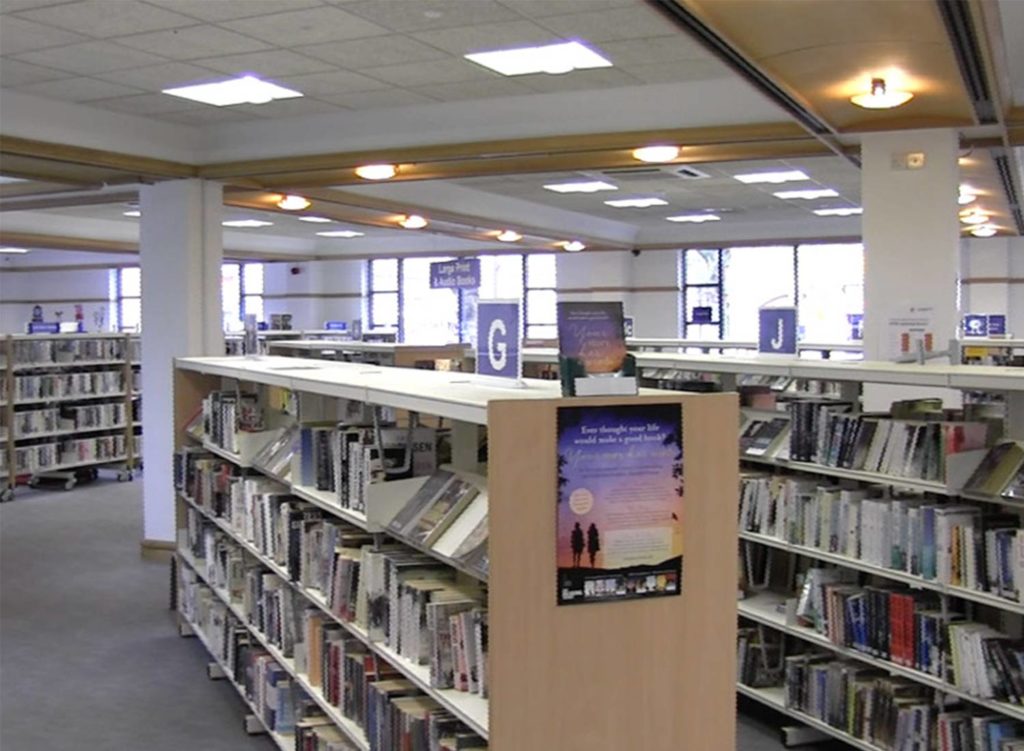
[351, 676]
[68, 417]
[64, 385]
[56, 454]
[889, 712]
[962, 545]
[226, 413]
[357, 580]
[910, 628]
[70, 350]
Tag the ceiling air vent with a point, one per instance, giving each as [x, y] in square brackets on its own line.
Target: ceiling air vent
[691, 173]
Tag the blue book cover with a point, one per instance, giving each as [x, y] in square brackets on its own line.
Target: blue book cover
[928, 542]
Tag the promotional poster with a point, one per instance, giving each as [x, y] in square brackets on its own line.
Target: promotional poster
[593, 334]
[619, 503]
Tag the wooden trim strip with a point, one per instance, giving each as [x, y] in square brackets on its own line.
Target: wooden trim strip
[993, 280]
[142, 165]
[313, 295]
[56, 300]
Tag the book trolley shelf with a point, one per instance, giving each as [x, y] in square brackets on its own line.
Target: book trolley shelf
[655, 673]
[68, 402]
[766, 610]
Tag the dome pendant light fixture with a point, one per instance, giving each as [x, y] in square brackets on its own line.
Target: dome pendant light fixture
[293, 203]
[509, 236]
[656, 154]
[880, 97]
[413, 221]
[573, 246]
[377, 171]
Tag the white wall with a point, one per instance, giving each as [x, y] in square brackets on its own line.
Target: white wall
[999, 261]
[54, 290]
[320, 291]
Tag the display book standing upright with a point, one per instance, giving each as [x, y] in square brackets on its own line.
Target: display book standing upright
[883, 552]
[68, 403]
[653, 674]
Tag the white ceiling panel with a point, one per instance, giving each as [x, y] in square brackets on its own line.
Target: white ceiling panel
[148, 104]
[543, 8]
[270, 63]
[310, 26]
[367, 100]
[160, 77]
[693, 70]
[431, 14]
[89, 58]
[230, 10]
[634, 22]
[206, 114]
[288, 108]
[194, 42]
[78, 89]
[1012, 16]
[334, 82]
[580, 80]
[496, 36]
[429, 72]
[454, 92]
[18, 36]
[14, 6]
[15, 73]
[650, 50]
[358, 54]
[107, 18]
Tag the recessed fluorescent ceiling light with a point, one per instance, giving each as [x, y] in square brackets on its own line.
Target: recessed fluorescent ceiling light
[14, 251]
[636, 203]
[347, 233]
[243, 90]
[808, 195]
[772, 178]
[553, 59]
[695, 218]
[581, 187]
[134, 213]
[839, 212]
[315, 219]
[246, 223]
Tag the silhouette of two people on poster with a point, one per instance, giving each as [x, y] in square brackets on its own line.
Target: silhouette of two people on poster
[591, 542]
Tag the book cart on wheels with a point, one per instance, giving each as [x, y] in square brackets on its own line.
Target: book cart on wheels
[69, 405]
[312, 601]
[882, 553]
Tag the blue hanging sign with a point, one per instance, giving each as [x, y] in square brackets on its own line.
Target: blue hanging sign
[497, 339]
[777, 331]
[458, 274]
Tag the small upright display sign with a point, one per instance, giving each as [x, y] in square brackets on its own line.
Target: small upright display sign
[997, 325]
[43, 327]
[619, 531]
[777, 331]
[497, 339]
[975, 325]
[592, 352]
[461, 273]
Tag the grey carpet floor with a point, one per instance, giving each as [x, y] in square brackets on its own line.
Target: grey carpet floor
[90, 659]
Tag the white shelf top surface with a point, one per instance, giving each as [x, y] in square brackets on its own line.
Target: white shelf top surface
[458, 396]
[727, 344]
[342, 345]
[72, 337]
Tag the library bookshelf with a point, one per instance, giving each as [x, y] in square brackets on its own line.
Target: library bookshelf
[584, 678]
[68, 402]
[398, 355]
[783, 559]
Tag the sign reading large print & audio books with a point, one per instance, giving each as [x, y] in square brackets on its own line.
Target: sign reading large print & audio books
[619, 532]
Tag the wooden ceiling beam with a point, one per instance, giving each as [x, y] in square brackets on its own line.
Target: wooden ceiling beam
[130, 163]
[56, 202]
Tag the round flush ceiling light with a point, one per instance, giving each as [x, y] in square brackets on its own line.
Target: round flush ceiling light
[985, 230]
[509, 236]
[967, 195]
[377, 171]
[879, 97]
[573, 246]
[413, 221]
[655, 154]
[973, 216]
[293, 203]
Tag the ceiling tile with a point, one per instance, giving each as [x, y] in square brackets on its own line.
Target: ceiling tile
[268, 64]
[431, 14]
[108, 18]
[159, 77]
[693, 70]
[193, 42]
[88, 58]
[15, 6]
[542, 8]
[634, 22]
[310, 26]
[335, 82]
[650, 50]
[579, 80]
[488, 37]
[14, 73]
[18, 35]
[369, 53]
[452, 92]
[288, 108]
[370, 100]
[436, 71]
[208, 114]
[147, 104]
[78, 89]
[230, 10]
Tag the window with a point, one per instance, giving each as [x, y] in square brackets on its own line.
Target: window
[241, 293]
[831, 284]
[429, 316]
[754, 278]
[539, 281]
[382, 293]
[701, 284]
